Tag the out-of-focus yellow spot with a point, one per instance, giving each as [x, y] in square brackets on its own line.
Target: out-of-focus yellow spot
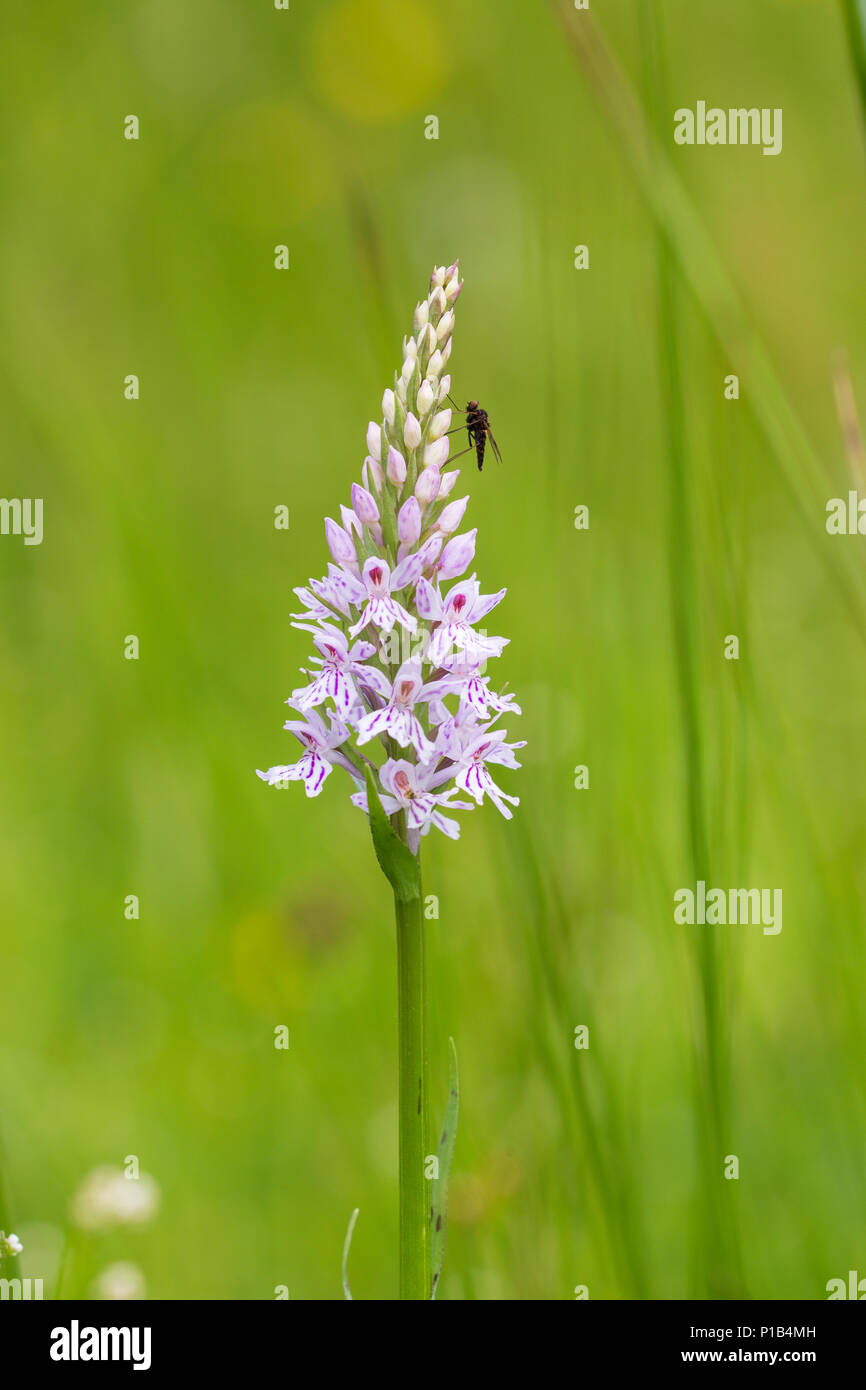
[269, 161]
[266, 970]
[374, 60]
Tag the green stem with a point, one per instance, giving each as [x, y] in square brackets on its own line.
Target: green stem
[412, 1011]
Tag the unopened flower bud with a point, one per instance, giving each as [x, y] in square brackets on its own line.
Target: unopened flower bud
[371, 472]
[429, 551]
[457, 555]
[439, 425]
[438, 277]
[446, 326]
[396, 466]
[388, 407]
[446, 351]
[426, 398]
[350, 521]
[452, 290]
[444, 388]
[411, 432]
[410, 367]
[409, 522]
[374, 440]
[339, 543]
[427, 486]
[435, 365]
[436, 453]
[447, 484]
[438, 303]
[422, 315]
[451, 516]
[364, 504]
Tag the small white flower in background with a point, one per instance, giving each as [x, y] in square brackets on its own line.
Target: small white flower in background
[107, 1197]
[122, 1282]
[10, 1245]
[392, 646]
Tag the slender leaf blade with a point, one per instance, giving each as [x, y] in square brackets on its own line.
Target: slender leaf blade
[439, 1184]
[397, 862]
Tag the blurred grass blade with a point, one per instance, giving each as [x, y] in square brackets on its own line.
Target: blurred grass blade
[855, 22]
[849, 421]
[347, 1245]
[439, 1185]
[6, 1262]
[709, 281]
[721, 1266]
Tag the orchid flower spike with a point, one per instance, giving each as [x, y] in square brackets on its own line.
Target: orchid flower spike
[398, 687]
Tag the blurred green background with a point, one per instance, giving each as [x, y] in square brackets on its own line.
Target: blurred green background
[154, 1037]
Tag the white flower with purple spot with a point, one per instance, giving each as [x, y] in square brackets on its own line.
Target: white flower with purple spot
[343, 669]
[321, 746]
[397, 719]
[407, 788]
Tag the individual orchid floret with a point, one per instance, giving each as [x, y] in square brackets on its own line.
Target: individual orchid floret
[406, 788]
[322, 746]
[378, 583]
[344, 668]
[476, 699]
[398, 718]
[472, 774]
[453, 619]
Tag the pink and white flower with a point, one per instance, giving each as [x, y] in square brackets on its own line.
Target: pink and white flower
[343, 669]
[321, 744]
[453, 618]
[397, 718]
[378, 582]
[391, 552]
[471, 749]
[406, 788]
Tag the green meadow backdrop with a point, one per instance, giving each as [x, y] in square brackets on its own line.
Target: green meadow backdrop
[153, 1036]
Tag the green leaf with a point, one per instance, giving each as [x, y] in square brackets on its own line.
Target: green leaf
[347, 1243]
[439, 1186]
[396, 860]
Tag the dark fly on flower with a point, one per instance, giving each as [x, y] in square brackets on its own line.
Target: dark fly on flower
[477, 426]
